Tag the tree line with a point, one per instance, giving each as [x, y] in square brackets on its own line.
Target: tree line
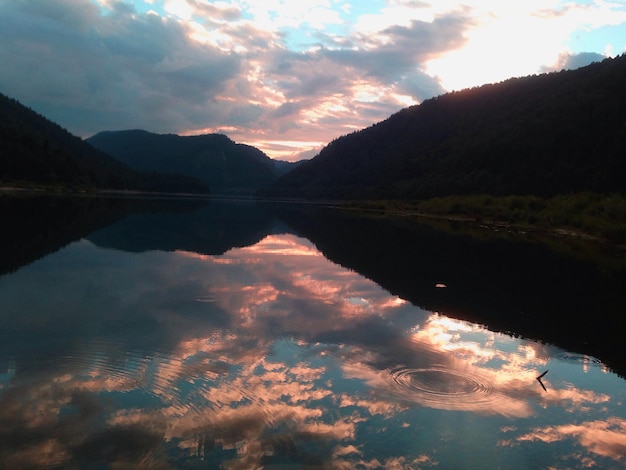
[542, 135]
[36, 152]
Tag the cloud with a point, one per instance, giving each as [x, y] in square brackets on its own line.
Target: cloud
[569, 61]
[265, 71]
[122, 69]
[390, 57]
[279, 14]
[195, 67]
[511, 39]
[329, 91]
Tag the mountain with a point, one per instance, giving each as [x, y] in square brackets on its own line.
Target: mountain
[544, 135]
[227, 167]
[35, 150]
[282, 167]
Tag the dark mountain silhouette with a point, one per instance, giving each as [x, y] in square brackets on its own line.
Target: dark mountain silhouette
[35, 150]
[227, 167]
[543, 135]
[283, 167]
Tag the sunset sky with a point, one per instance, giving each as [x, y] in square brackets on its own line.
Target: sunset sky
[285, 76]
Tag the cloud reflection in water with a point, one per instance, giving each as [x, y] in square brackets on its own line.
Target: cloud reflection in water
[271, 354]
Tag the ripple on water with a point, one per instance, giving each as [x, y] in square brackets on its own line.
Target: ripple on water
[444, 388]
[578, 358]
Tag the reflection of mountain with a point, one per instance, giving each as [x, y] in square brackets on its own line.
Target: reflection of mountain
[213, 230]
[522, 288]
[33, 227]
[267, 356]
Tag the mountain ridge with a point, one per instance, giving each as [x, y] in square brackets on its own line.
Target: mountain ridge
[226, 166]
[35, 151]
[540, 135]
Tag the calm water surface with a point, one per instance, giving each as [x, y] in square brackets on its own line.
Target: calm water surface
[262, 353]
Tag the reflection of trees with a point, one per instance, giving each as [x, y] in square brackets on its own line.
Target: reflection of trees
[265, 355]
[36, 226]
[510, 286]
[33, 227]
[215, 229]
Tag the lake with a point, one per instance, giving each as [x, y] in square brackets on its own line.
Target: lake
[227, 334]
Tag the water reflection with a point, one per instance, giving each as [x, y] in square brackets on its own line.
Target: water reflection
[515, 286]
[602, 438]
[269, 355]
[511, 283]
[35, 225]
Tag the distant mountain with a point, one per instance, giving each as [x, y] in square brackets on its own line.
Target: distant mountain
[227, 167]
[543, 135]
[35, 150]
[283, 167]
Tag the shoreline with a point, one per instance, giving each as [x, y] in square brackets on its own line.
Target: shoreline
[489, 225]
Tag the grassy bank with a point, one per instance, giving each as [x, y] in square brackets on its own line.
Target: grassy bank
[590, 215]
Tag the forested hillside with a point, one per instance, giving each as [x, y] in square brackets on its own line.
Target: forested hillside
[543, 135]
[34, 151]
[227, 167]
